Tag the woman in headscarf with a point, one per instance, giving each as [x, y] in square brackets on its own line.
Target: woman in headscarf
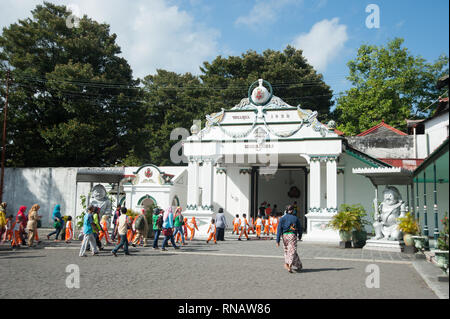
[168, 229]
[58, 222]
[288, 227]
[21, 213]
[2, 221]
[32, 223]
[24, 220]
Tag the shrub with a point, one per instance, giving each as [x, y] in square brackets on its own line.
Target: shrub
[442, 243]
[348, 218]
[408, 224]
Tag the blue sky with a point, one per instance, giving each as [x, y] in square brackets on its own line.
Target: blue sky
[178, 35]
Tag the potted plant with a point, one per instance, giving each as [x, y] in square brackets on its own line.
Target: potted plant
[421, 242]
[409, 227]
[359, 234]
[441, 253]
[346, 220]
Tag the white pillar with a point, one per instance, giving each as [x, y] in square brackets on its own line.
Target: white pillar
[207, 198]
[193, 183]
[331, 184]
[314, 182]
[128, 196]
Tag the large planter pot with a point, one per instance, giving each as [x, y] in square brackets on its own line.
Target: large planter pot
[441, 258]
[345, 235]
[408, 239]
[359, 238]
[421, 242]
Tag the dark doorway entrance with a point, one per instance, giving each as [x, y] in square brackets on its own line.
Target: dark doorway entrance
[286, 186]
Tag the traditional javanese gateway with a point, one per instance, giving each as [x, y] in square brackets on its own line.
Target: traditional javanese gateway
[261, 150]
[265, 150]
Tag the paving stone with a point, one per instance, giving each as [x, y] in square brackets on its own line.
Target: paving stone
[235, 266]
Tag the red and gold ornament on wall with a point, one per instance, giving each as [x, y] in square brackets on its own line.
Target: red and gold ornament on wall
[148, 173]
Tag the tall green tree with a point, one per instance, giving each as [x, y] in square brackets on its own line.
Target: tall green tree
[389, 84]
[292, 78]
[73, 100]
[172, 101]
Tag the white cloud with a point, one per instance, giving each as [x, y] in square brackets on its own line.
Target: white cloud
[322, 43]
[152, 34]
[263, 13]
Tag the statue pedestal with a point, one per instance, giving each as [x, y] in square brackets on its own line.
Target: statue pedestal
[384, 245]
[317, 230]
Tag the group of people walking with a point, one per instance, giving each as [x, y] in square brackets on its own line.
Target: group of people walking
[176, 229]
[134, 231]
[21, 230]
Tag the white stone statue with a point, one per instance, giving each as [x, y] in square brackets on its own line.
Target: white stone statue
[100, 199]
[387, 214]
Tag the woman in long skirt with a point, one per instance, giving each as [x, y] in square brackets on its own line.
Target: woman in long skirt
[289, 227]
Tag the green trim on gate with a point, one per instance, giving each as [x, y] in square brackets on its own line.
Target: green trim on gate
[146, 197]
[177, 199]
[122, 201]
[145, 165]
[369, 160]
[434, 156]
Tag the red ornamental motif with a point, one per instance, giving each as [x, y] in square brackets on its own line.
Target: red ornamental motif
[259, 94]
[148, 173]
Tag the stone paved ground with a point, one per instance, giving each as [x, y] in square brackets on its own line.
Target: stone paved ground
[242, 269]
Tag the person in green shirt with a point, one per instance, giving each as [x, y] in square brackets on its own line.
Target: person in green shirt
[156, 228]
[178, 224]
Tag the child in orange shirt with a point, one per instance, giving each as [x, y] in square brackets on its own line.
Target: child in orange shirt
[212, 231]
[244, 226]
[17, 230]
[192, 227]
[131, 233]
[69, 229]
[104, 230]
[271, 224]
[259, 224]
[274, 225]
[236, 224]
[266, 226]
[251, 227]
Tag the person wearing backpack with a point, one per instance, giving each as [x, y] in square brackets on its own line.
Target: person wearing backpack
[289, 227]
[167, 229]
[157, 225]
[141, 226]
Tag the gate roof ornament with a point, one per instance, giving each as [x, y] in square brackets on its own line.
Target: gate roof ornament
[255, 109]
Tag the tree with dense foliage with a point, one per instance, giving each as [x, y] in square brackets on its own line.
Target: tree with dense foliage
[389, 84]
[72, 99]
[171, 101]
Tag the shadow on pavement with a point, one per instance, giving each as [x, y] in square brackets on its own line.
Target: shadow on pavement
[323, 269]
[11, 257]
[153, 255]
